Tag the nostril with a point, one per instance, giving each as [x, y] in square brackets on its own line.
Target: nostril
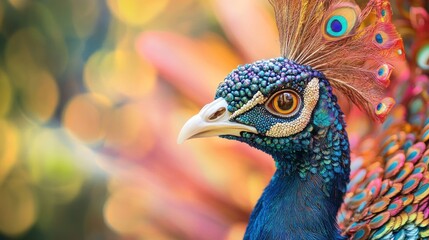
[219, 113]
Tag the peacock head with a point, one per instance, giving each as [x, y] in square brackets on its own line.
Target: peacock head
[277, 106]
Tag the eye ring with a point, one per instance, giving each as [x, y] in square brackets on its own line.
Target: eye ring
[284, 103]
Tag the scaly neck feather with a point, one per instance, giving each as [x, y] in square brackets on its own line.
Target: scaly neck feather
[291, 208]
[297, 207]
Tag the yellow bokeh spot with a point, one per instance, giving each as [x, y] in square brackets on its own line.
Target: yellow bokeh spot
[132, 76]
[85, 117]
[93, 74]
[9, 145]
[120, 74]
[24, 48]
[40, 96]
[136, 12]
[17, 207]
[30, 50]
[52, 165]
[6, 94]
[126, 209]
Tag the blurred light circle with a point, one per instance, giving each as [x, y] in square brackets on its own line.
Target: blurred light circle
[119, 74]
[40, 96]
[136, 12]
[125, 210]
[6, 94]
[17, 207]
[25, 57]
[52, 165]
[51, 25]
[32, 48]
[132, 76]
[85, 117]
[93, 74]
[126, 125]
[9, 145]
[24, 48]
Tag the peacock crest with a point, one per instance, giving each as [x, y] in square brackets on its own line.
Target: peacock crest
[355, 49]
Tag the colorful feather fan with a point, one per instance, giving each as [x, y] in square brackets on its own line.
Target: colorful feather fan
[355, 49]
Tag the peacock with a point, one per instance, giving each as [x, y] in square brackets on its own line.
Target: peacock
[288, 108]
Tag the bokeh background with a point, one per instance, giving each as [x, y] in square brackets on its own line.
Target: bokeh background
[93, 94]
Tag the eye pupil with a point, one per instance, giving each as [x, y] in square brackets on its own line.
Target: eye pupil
[285, 101]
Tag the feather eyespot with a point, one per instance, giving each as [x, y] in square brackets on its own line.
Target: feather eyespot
[384, 12]
[385, 36]
[384, 107]
[337, 26]
[284, 103]
[423, 57]
[383, 74]
[340, 22]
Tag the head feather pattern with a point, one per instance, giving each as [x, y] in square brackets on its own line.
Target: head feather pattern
[355, 49]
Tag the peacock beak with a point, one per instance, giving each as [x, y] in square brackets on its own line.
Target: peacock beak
[212, 120]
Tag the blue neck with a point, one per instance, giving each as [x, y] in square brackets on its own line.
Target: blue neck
[306, 192]
[292, 208]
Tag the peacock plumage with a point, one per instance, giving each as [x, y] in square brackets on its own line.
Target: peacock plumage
[288, 107]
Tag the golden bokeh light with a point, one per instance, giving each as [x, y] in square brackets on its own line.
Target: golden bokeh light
[24, 48]
[131, 75]
[40, 96]
[124, 209]
[85, 117]
[136, 12]
[94, 79]
[119, 74]
[127, 127]
[9, 146]
[17, 206]
[52, 165]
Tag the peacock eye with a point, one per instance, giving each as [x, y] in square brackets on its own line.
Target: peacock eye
[284, 103]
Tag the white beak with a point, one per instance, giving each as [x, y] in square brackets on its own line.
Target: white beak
[212, 120]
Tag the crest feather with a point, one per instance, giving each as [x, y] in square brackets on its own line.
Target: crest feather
[354, 48]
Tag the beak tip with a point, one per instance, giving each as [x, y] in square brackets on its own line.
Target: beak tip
[180, 141]
[181, 138]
